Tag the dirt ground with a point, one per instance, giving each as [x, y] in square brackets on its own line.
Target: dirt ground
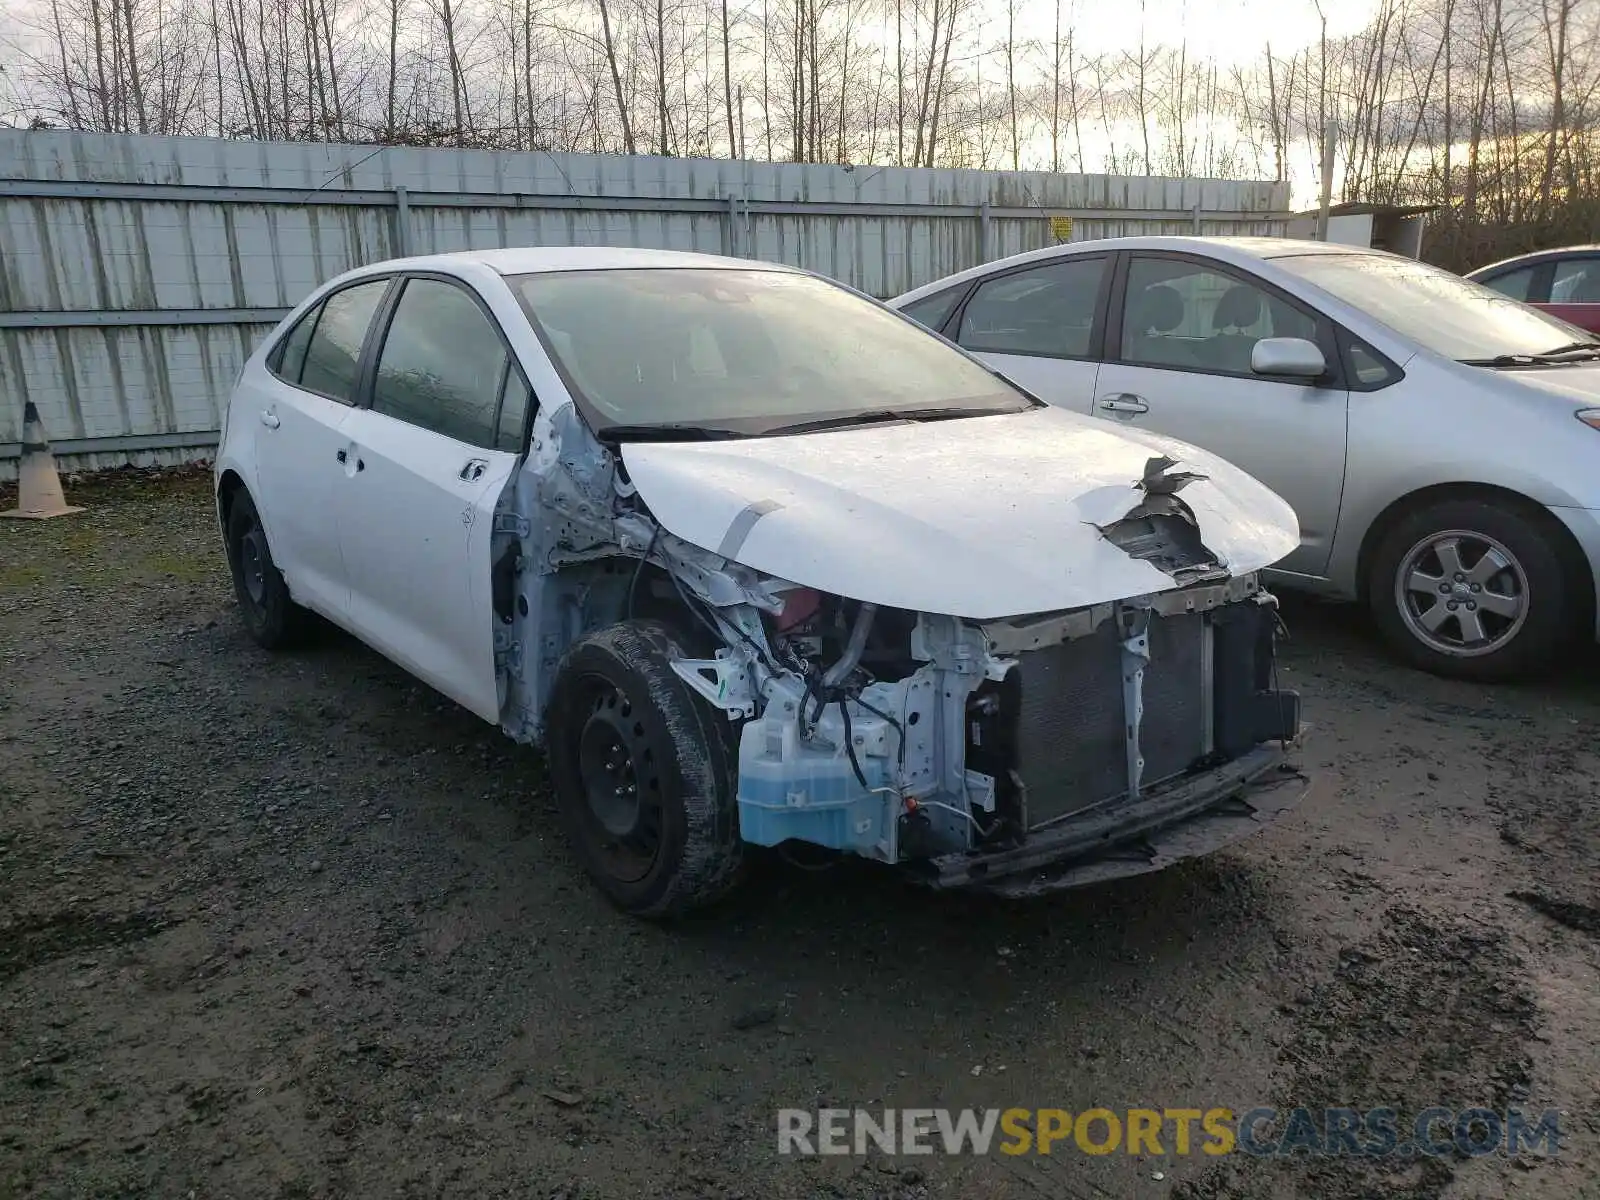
[295, 927]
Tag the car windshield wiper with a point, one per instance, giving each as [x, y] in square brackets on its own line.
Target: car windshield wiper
[670, 431]
[878, 416]
[1571, 352]
[1591, 346]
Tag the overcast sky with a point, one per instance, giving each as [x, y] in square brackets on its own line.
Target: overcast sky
[1230, 32]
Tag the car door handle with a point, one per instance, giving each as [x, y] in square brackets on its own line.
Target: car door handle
[344, 458]
[270, 419]
[474, 469]
[1124, 403]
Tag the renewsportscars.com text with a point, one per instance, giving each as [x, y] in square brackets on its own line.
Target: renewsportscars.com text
[1263, 1132]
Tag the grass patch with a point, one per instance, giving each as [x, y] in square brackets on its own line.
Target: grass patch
[78, 538]
[139, 529]
[187, 568]
[21, 575]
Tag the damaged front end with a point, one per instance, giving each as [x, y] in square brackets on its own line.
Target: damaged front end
[1029, 754]
[1014, 755]
[1026, 755]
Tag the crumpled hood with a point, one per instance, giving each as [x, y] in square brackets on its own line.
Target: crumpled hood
[981, 517]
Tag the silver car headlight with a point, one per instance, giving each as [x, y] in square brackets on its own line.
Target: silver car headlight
[1589, 416]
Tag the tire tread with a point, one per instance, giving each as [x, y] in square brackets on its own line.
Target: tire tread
[283, 623]
[705, 769]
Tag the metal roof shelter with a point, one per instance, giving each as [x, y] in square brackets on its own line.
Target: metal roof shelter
[1394, 227]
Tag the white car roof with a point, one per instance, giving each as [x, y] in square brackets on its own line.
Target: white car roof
[528, 260]
[1240, 251]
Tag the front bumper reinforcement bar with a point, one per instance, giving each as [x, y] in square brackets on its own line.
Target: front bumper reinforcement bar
[1189, 817]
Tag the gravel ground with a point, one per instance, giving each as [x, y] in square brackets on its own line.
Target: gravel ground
[295, 927]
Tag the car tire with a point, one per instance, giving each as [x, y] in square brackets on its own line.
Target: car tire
[644, 772]
[270, 615]
[1473, 589]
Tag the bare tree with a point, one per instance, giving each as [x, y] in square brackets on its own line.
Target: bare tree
[610, 44]
[1487, 109]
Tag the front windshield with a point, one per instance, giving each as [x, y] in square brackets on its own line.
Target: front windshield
[1440, 311]
[744, 352]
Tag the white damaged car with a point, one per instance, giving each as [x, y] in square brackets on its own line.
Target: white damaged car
[759, 561]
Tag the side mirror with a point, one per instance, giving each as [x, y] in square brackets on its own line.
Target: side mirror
[1296, 357]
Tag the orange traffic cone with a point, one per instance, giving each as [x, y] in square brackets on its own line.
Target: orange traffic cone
[39, 487]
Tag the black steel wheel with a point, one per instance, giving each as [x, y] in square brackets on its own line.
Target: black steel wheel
[272, 617]
[644, 772]
[621, 781]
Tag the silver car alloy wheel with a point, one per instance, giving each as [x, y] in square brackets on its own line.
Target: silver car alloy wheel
[1462, 593]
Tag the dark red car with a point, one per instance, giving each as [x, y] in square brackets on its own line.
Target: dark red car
[1565, 282]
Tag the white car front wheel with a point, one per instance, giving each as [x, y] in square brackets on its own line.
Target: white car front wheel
[644, 772]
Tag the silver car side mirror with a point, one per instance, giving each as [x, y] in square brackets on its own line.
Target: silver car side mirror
[1288, 356]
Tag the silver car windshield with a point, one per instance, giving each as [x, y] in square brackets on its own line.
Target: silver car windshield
[744, 352]
[1440, 311]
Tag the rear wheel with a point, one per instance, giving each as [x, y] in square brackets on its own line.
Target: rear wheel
[273, 619]
[644, 773]
[1472, 589]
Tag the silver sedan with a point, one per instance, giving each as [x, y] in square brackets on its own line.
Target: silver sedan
[1439, 441]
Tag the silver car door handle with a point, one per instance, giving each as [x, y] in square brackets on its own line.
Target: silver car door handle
[270, 419]
[344, 457]
[474, 469]
[1124, 403]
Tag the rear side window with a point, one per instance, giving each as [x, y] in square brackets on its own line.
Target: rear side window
[443, 365]
[333, 354]
[933, 311]
[1516, 284]
[1046, 310]
[289, 357]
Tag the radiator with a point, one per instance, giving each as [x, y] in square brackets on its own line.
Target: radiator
[1071, 732]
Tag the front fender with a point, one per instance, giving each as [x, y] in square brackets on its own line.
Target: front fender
[1367, 500]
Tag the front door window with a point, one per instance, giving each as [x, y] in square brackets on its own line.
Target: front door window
[443, 365]
[1192, 317]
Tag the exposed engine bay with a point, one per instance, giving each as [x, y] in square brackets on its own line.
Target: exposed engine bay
[975, 749]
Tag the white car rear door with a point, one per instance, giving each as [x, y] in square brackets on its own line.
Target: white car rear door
[299, 405]
[424, 464]
[1178, 362]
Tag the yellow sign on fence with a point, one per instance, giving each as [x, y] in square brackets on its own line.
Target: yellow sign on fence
[1061, 227]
